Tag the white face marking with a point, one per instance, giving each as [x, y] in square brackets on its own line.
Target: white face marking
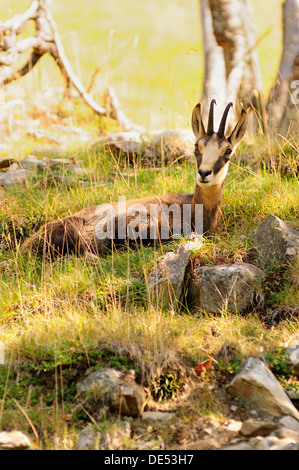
[213, 180]
[210, 155]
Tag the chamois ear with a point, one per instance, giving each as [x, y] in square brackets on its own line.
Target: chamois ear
[239, 130]
[197, 124]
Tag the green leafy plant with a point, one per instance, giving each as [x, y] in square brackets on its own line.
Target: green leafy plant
[166, 388]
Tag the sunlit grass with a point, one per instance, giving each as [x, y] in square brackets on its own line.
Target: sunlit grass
[150, 52]
[72, 315]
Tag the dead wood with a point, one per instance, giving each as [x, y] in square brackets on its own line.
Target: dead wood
[47, 41]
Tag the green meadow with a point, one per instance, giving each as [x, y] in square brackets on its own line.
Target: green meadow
[59, 319]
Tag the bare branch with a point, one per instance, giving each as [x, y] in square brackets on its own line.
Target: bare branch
[18, 23]
[47, 40]
[11, 76]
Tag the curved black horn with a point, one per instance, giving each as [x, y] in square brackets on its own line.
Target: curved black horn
[223, 120]
[210, 130]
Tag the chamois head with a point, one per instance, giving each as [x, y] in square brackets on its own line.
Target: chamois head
[213, 151]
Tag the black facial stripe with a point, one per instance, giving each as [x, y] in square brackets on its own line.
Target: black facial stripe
[198, 156]
[220, 164]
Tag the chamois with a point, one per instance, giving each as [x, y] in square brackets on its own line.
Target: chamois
[96, 229]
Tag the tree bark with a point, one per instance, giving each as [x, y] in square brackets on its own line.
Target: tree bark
[284, 96]
[232, 70]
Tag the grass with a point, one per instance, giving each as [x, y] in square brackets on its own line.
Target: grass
[59, 319]
[153, 58]
[73, 315]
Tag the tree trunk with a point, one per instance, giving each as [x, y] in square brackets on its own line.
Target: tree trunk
[232, 70]
[284, 97]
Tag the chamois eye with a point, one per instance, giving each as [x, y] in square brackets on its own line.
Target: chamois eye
[228, 152]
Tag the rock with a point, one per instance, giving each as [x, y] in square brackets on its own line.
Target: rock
[238, 446]
[128, 399]
[157, 417]
[33, 163]
[292, 354]
[77, 170]
[92, 439]
[127, 136]
[10, 179]
[257, 388]
[101, 381]
[88, 437]
[293, 394]
[58, 162]
[277, 241]
[5, 162]
[128, 148]
[251, 428]
[204, 444]
[166, 281]
[14, 440]
[290, 423]
[227, 286]
[124, 394]
[14, 166]
[234, 426]
[286, 433]
[116, 438]
[273, 443]
[170, 145]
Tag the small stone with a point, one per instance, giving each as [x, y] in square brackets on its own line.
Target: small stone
[87, 438]
[31, 162]
[92, 439]
[76, 170]
[204, 444]
[293, 394]
[238, 446]
[115, 438]
[227, 286]
[122, 391]
[166, 281]
[290, 423]
[58, 162]
[251, 428]
[10, 179]
[157, 417]
[170, 145]
[285, 433]
[292, 354]
[14, 166]
[128, 399]
[257, 388]
[101, 381]
[277, 241]
[14, 440]
[234, 426]
[266, 443]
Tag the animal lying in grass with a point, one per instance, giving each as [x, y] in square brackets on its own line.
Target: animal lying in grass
[159, 218]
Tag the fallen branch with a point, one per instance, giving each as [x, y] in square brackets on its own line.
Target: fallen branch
[47, 41]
